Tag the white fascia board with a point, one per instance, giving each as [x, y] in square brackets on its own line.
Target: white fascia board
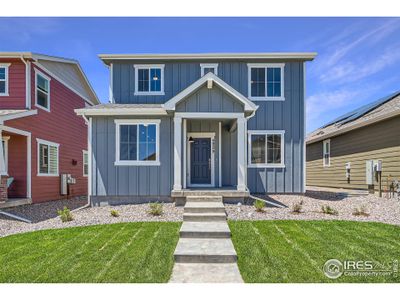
[182, 56]
[248, 105]
[18, 115]
[121, 111]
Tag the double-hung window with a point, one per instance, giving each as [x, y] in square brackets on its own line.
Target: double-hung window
[266, 82]
[4, 79]
[207, 68]
[326, 153]
[42, 90]
[85, 163]
[149, 79]
[48, 158]
[137, 142]
[266, 148]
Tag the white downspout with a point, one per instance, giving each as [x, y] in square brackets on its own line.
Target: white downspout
[28, 97]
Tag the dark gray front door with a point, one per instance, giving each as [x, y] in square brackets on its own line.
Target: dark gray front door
[200, 161]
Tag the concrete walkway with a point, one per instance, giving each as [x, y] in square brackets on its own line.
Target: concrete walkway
[205, 253]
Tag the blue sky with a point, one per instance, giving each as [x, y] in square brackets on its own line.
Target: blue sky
[358, 58]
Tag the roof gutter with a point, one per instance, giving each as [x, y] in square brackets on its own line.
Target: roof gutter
[121, 111]
[354, 126]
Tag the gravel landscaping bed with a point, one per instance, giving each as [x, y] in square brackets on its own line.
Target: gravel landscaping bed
[379, 209]
[44, 215]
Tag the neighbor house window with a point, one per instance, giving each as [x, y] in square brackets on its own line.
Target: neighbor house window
[47, 158]
[326, 153]
[42, 91]
[137, 142]
[207, 68]
[265, 81]
[266, 148]
[85, 163]
[149, 79]
[4, 79]
[4, 141]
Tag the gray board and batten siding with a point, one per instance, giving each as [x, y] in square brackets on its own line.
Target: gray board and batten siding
[157, 181]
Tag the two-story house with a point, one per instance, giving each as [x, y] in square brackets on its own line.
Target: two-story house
[229, 124]
[42, 138]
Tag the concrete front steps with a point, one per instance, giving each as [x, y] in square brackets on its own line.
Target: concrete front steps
[205, 252]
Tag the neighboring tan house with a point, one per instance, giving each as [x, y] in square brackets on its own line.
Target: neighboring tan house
[42, 138]
[232, 124]
[350, 151]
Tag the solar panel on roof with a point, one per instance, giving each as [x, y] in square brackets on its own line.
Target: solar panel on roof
[359, 112]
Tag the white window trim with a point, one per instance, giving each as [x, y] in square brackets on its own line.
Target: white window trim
[324, 142]
[44, 142]
[266, 98]
[5, 139]
[37, 72]
[6, 66]
[156, 93]
[265, 132]
[119, 162]
[83, 163]
[211, 66]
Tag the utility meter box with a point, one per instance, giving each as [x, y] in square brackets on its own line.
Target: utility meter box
[66, 179]
[369, 172]
[348, 168]
[378, 165]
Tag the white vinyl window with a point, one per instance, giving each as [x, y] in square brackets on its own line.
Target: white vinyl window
[137, 142]
[85, 160]
[266, 82]
[206, 68]
[266, 148]
[149, 79]
[5, 153]
[42, 90]
[326, 153]
[4, 79]
[48, 158]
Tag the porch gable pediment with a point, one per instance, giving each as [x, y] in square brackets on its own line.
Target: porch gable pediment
[210, 81]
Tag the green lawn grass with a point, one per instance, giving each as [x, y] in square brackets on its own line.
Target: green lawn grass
[125, 252]
[295, 251]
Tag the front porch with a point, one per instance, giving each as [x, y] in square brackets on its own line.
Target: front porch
[209, 155]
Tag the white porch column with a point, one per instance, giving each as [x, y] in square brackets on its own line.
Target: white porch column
[177, 153]
[2, 161]
[241, 141]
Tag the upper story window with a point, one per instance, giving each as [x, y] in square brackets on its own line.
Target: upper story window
[266, 81]
[4, 79]
[326, 153]
[42, 90]
[266, 148]
[149, 79]
[137, 142]
[47, 158]
[207, 68]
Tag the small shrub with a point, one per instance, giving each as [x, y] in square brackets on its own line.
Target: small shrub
[65, 214]
[156, 209]
[259, 205]
[298, 207]
[326, 209]
[362, 211]
[114, 213]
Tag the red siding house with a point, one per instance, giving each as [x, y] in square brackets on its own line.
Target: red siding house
[41, 136]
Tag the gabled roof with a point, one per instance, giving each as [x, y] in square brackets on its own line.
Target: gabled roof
[67, 71]
[248, 105]
[304, 56]
[376, 111]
